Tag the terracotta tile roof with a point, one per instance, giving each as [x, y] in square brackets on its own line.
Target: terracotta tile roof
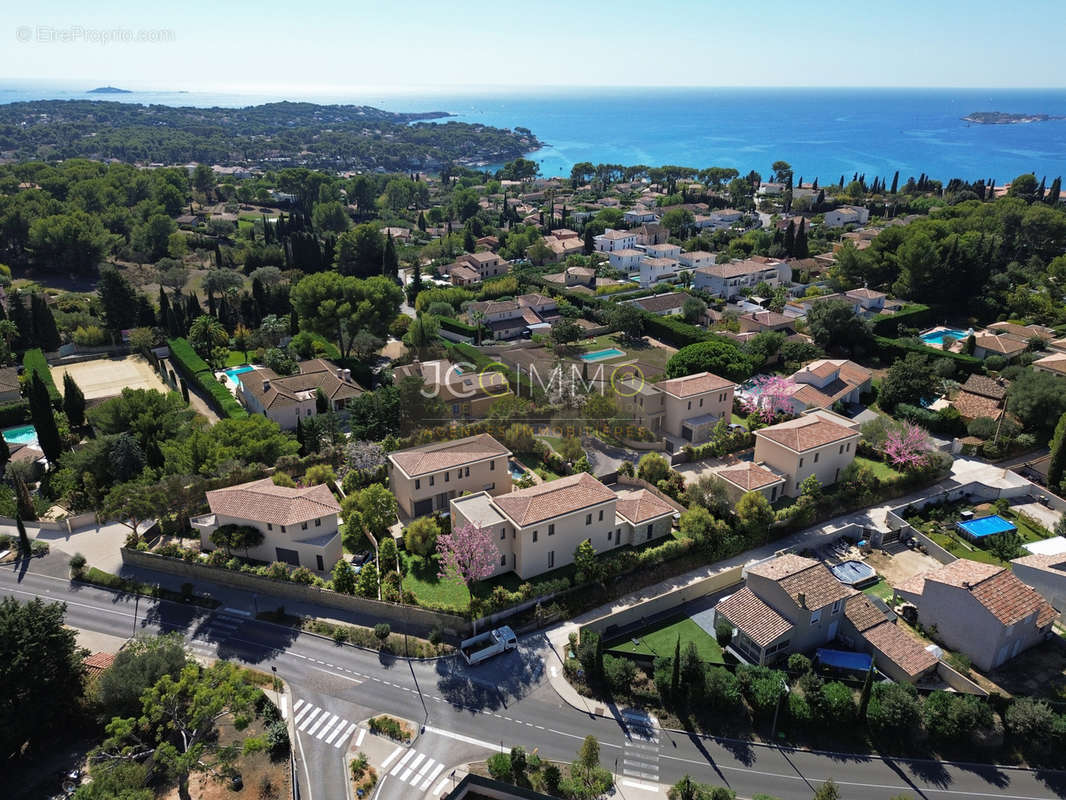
[262, 501]
[97, 662]
[317, 373]
[985, 386]
[865, 294]
[915, 584]
[806, 433]
[972, 406]
[553, 499]
[822, 369]
[1023, 332]
[862, 613]
[749, 476]
[734, 269]
[1051, 563]
[769, 319]
[756, 619]
[662, 302]
[447, 455]
[903, 648]
[641, 505]
[694, 384]
[781, 567]
[1000, 344]
[818, 586]
[1056, 362]
[998, 589]
[9, 379]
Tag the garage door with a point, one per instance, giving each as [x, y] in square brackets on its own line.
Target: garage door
[423, 507]
[287, 556]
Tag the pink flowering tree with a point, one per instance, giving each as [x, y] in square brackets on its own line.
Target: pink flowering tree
[907, 447]
[770, 395]
[468, 552]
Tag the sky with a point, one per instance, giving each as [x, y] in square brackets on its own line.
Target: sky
[326, 46]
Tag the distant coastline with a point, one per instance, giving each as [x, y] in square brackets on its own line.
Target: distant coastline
[1004, 118]
[109, 90]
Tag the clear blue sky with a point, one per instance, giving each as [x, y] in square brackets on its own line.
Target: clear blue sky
[329, 45]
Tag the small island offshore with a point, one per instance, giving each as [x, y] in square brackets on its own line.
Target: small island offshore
[109, 90]
[1004, 118]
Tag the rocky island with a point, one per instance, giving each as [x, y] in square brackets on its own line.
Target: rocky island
[1005, 118]
[109, 90]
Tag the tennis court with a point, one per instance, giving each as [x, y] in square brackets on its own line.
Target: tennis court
[107, 377]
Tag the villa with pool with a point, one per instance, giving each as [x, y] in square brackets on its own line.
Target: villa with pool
[288, 398]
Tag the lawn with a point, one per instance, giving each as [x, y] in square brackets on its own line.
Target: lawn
[535, 463]
[662, 640]
[879, 468]
[655, 357]
[1025, 530]
[445, 594]
[881, 589]
[960, 550]
[236, 358]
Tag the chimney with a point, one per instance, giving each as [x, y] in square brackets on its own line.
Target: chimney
[266, 386]
[347, 376]
[340, 374]
[802, 597]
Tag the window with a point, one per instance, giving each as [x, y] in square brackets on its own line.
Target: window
[650, 529]
[701, 402]
[689, 405]
[601, 516]
[466, 474]
[303, 526]
[848, 448]
[321, 564]
[610, 535]
[551, 559]
[534, 536]
[418, 483]
[283, 529]
[503, 532]
[801, 463]
[841, 450]
[588, 519]
[492, 466]
[836, 606]
[447, 477]
[318, 522]
[270, 527]
[431, 479]
[503, 560]
[816, 616]
[816, 457]
[551, 529]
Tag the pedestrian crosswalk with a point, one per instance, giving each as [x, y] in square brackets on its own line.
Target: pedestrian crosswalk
[320, 724]
[640, 753]
[413, 768]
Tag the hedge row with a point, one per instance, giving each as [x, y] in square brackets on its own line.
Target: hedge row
[34, 361]
[674, 331]
[913, 316]
[456, 326]
[892, 349]
[197, 371]
[17, 413]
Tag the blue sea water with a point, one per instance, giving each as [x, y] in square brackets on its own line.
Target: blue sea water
[823, 133]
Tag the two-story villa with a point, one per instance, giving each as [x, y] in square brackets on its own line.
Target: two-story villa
[819, 443]
[424, 479]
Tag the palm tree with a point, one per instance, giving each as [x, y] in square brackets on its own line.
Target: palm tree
[476, 317]
[207, 333]
[242, 339]
[8, 331]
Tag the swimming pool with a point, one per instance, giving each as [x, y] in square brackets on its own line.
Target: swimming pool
[603, 355]
[22, 434]
[937, 337]
[985, 526]
[517, 473]
[854, 573]
[233, 372]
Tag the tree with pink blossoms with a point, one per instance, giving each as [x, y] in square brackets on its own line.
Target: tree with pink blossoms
[907, 447]
[468, 552]
[769, 396]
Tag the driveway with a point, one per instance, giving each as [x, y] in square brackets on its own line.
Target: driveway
[604, 458]
[99, 544]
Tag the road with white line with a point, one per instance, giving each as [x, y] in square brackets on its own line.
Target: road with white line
[467, 713]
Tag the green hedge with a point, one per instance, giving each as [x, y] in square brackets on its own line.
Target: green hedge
[674, 331]
[892, 349]
[456, 326]
[198, 372]
[14, 414]
[912, 316]
[34, 361]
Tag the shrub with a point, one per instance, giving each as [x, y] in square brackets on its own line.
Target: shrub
[34, 362]
[14, 414]
[387, 726]
[197, 371]
[382, 631]
[620, 673]
[77, 564]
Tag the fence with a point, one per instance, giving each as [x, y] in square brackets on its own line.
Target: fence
[419, 620]
[63, 527]
[667, 601]
[897, 523]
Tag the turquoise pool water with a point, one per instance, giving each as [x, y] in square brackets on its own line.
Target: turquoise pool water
[233, 373]
[602, 355]
[985, 526]
[937, 337]
[516, 471]
[23, 434]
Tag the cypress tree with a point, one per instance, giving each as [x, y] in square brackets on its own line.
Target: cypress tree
[44, 324]
[675, 674]
[73, 401]
[164, 308]
[390, 262]
[468, 241]
[24, 539]
[44, 420]
[5, 453]
[1058, 455]
[1052, 198]
[21, 317]
[300, 436]
[790, 237]
[192, 307]
[1040, 191]
[590, 244]
[211, 304]
[23, 501]
[867, 687]
[416, 282]
[218, 254]
[799, 249]
[422, 221]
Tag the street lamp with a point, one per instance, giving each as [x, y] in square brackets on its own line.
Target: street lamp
[277, 690]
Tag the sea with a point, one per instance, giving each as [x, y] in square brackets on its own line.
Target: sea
[822, 133]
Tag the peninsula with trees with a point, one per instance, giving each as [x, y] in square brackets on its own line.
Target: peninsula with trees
[336, 137]
[1005, 118]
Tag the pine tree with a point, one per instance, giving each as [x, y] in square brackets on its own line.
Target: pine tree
[24, 539]
[799, 248]
[73, 401]
[1058, 455]
[44, 420]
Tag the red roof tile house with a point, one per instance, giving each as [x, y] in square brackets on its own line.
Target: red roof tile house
[982, 610]
[299, 525]
[819, 443]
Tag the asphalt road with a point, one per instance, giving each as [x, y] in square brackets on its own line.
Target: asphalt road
[469, 712]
